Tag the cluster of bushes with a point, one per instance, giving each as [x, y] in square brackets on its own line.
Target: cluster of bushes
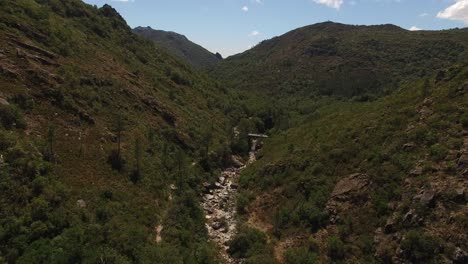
[11, 117]
[251, 244]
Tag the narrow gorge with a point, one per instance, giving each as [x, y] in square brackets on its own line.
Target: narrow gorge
[219, 204]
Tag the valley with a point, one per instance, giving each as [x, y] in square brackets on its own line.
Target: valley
[121, 145]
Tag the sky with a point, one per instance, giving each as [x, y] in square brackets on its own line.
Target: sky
[233, 26]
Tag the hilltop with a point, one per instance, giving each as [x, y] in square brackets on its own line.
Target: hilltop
[332, 59]
[181, 46]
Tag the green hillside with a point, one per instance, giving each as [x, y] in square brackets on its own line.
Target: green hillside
[109, 143]
[367, 157]
[97, 124]
[342, 60]
[179, 45]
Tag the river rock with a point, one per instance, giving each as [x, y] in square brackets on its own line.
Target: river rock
[237, 161]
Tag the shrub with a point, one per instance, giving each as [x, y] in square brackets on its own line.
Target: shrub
[180, 79]
[11, 117]
[438, 152]
[244, 242]
[116, 161]
[464, 120]
[336, 250]
[419, 247]
[300, 256]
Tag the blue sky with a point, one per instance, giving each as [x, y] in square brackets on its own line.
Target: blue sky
[232, 26]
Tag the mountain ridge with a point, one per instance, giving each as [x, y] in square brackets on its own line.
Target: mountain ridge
[180, 45]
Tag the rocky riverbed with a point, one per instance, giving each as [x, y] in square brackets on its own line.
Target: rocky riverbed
[219, 203]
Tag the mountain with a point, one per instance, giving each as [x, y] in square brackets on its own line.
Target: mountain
[367, 156]
[110, 144]
[99, 130]
[192, 53]
[342, 60]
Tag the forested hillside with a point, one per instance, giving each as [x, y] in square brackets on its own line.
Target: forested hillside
[179, 45]
[367, 162]
[331, 59]
[97, 124]
[109, 144]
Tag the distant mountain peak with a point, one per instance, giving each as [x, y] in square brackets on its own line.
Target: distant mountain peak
[181, 46]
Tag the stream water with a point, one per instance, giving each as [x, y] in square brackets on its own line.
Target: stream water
[219, 203]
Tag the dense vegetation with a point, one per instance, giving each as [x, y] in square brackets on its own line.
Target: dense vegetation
[97, 124]
[106, 140]
[343, 61]
[179, 45]
[379, 101]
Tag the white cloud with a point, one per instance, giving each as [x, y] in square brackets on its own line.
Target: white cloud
[414, 28]
[245, 8]
[457, 11]
[423, 14]
[254, 33]
[330, 3]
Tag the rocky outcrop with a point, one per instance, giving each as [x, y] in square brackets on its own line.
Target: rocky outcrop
[350, 187]
[348, 192]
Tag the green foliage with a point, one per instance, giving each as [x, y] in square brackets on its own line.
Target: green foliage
[438, 152]
[464, 120]
[300, 256]
[248, 242]
[336, 249]
[11, 117]
[420, 247]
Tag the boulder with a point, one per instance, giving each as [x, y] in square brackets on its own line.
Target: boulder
[425, 112]
[460, 194]
[390, 225]
[81, 203]
[459, 256]
[217, 225]
[426, 198]
[463, 161]
[417, 171]
[234, 186]
[409, 146]
[3, 101]
[351, 186]
[409, 217]
[237, 161]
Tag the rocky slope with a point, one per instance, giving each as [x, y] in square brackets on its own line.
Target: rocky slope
[179, 45]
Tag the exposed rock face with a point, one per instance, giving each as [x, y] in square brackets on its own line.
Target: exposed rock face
[426, 198]
[350, 187]
[348, 192]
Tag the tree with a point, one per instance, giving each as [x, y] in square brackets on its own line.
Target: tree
[119, 128]
[49, 152]
[208, 139]
[136, 175]
[181, 167]
[115, 158]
